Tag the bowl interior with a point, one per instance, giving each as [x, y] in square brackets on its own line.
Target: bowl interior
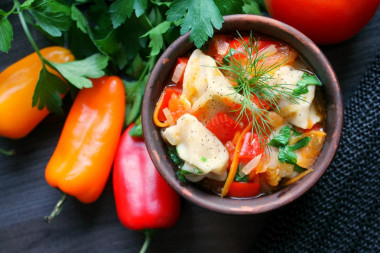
[334, 120]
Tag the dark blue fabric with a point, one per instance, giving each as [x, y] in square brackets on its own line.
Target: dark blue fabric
[341, 213]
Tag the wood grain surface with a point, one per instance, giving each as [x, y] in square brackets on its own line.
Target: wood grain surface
[25, 197]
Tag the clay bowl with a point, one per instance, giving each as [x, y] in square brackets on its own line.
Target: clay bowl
[310, 53]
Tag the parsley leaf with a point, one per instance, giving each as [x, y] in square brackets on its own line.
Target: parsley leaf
[306, 81]
[156, 39]
[282, 138]
[196, 19]
[286, 155]
[134, 91]
[295, 132]
[78, 72]
[120, 10]
[136, 130]
[140, 7]
[301, 143]
[251, 7]
[48, 90]
[180, 173]
[51, 16]
[229, 7]
[6, 35]
[298, 168]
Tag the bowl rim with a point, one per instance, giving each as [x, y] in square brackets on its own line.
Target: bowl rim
[277, 199]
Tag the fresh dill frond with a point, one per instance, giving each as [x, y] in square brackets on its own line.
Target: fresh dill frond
[251, 73]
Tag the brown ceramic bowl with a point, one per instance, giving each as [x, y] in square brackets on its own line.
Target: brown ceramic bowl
[310, 53]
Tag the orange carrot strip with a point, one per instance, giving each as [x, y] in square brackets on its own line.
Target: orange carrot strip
[298, 177]
[235, 162]
[156, 121]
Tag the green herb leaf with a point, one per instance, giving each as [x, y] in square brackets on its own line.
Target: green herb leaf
[172, 151]
[78, 72]
[120, 10]
[156, 39]
[51, 15]
[295, 132]
[238, 178]
[229, 7]
[47, 91]
[286, 155]
[203, 159]
[251, 7]
[196, 19]
[298, 168]
[167, 4]
[180, 173]
[134, 91]
[306, 81]
[301, 143]
[282, 138]
[77, 16]
[198, 171]
[26, 4]
[140, 7]
[136, 130]
[6, 35]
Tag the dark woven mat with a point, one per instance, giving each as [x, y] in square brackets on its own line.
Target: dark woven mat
[341, 213]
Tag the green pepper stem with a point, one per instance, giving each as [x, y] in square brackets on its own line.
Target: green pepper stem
[7, 152]
[27, 32]
[148, 236]
[57, 209]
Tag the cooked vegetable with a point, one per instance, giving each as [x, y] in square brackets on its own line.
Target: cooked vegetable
[144, 201]
[260, 86]
[17, 84]
[83, 157]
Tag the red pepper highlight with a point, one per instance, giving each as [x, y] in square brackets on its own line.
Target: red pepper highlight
[143, 198]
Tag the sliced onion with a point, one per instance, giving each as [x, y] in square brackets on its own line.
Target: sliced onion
[268, 51]
[222, 47]
[168, 116]
[251, 165]
[178, 72]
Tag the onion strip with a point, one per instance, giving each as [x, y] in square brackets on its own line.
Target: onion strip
[168, 116]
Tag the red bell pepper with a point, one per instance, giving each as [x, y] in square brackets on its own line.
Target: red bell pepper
[243, 189]
[251, 147]
[167, 94]
[143, 199]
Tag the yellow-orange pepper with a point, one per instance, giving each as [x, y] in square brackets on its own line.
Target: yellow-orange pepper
[83, 157]
[17, 83]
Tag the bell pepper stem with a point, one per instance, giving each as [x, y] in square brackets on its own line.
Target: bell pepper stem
[7, 152]
[148, 235]
[57, 209]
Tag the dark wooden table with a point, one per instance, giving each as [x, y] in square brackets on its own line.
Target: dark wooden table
[25, 197]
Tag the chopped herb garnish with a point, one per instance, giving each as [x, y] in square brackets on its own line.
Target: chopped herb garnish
[198, 171]
[298, 168]
[249, 70]
[285, 151]
[295, 132]
[282, 138]
[203, 159]
[175, 157]
[238, 178]
[306, 81]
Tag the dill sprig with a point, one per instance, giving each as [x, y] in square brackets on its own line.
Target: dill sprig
[248, 69]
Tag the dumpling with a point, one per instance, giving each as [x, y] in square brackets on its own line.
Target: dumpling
[303, 113]
[198, 147]
[204, 83]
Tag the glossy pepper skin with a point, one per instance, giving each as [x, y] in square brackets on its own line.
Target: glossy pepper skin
[82, 160]
[143, 198]
[17, 83]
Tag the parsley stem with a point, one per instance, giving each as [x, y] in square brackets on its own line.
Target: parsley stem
[7, 152]
[27, 32]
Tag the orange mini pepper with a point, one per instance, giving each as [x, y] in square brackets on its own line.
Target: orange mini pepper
[83, 157]
[17, 83]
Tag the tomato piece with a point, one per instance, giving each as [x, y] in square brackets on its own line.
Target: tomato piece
[325, 22]
[316, 127]
[251, 147]
[176, 108]
[262, 104]
[179, 70]
[243, 190]
[167, 94]
[223, 127]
